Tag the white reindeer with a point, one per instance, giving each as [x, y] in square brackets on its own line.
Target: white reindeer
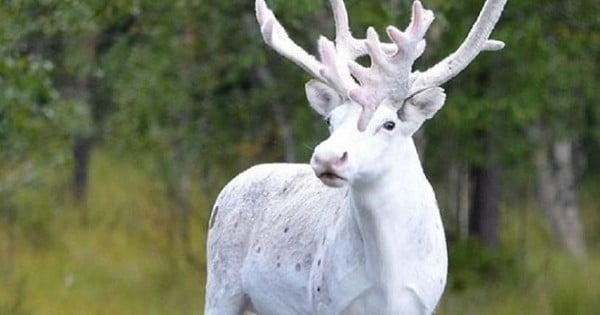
[363, 236]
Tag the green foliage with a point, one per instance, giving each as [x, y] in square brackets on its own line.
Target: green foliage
[544, 73]
[474, 265]
[187, 72]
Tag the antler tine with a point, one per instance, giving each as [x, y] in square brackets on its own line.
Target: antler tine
[477, 41]
[335, 70]
[389, 74]
[332, 69]
[344, 40]
[277, 38]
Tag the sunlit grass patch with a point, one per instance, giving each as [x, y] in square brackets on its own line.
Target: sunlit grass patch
[101, 272]
[119, 260]
[574, 285]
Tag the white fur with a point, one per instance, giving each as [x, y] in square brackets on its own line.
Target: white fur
[281, 242]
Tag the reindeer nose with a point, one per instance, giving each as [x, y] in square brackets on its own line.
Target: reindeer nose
[330, 158]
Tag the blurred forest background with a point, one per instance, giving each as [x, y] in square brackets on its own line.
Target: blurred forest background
[121, 120]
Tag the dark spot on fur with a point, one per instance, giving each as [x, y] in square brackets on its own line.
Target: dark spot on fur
[318, 289]
[324, 239]
[278, 265]
[286, 230]
[298, 267]
[213, 217]
[278, 257]
[258, 249]
[319, 262]
[308, 260]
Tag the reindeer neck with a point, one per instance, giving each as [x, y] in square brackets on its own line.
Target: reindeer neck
[394, 215]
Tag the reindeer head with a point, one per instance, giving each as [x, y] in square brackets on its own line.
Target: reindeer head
[373, 111]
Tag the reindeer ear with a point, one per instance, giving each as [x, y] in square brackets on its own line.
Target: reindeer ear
[423, 105]
[321, 97]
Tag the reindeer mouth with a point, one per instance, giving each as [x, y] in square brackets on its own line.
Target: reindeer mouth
[330, 175]
[331, 179]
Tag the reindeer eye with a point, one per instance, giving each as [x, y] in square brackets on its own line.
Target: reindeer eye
[390, 125]
[328, 121]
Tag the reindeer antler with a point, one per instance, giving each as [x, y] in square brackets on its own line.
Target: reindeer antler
[389, 76]
[275, 36]
[332, 69]
[477, 41]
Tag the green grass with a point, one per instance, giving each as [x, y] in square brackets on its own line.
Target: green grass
[123, 260]
[126, 260]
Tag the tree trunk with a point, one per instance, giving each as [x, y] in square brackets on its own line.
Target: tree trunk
[557, 194]
[82, 149]
[96, 92]
[83, 89]
[457, 198]
[484, 217]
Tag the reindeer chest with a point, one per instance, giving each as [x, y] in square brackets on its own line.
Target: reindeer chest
[338, 276]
